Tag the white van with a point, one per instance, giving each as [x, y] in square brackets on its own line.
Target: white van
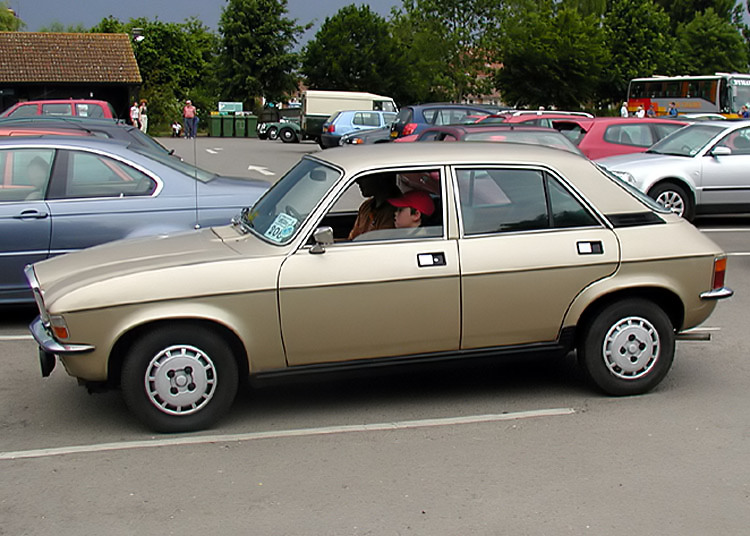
[317, 106]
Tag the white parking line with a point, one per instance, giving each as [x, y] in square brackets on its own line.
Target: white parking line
[16, 338]
[303, 432]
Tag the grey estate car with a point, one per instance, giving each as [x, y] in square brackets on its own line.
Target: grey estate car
[61, 194]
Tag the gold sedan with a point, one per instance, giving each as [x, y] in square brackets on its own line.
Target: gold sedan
[384, 255]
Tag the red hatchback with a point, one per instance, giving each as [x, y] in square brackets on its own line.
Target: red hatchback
[599, 137]
[95, 109]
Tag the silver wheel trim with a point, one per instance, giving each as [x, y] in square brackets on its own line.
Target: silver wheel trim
[673, 201]
[631, 348]
[180, 380]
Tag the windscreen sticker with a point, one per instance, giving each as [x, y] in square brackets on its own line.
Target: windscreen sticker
[281, 228]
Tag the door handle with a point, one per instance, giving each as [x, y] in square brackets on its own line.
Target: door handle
[430, 259]
[31, 214]
[590, 248]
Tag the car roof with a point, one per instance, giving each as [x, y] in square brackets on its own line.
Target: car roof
[66, 142]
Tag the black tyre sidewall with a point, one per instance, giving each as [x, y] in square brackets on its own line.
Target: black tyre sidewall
[687, 199]
[143, 351]
[287, 135]
[591, 352]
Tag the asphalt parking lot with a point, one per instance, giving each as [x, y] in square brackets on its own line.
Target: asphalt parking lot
[518, 447]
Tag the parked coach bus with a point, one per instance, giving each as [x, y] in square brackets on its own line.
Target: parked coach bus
[720, 93]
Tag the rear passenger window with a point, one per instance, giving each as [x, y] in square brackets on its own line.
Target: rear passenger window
[89, 110]
[508, 200]
[368, 119]
[57, 109]
[92, 175]
[637, 135]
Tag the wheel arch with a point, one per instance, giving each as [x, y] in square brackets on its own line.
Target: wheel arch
[666, 299]
[127, 339]
[677, 181]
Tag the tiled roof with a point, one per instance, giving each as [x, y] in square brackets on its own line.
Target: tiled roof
[67, 57]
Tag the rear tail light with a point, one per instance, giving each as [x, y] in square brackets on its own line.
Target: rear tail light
[331, 129]
[720, 270]
[409, 128]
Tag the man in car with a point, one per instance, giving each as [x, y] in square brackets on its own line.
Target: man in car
[375, 212]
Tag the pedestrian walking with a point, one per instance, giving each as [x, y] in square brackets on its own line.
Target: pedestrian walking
[190, 119]
[135, 115]
[143, 115]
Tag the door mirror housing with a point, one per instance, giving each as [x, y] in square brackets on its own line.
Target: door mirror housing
[721, 150]
[323, 237]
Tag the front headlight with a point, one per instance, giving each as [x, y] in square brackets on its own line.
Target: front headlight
[627, 177]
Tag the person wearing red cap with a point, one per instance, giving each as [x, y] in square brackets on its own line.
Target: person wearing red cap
[410, 208]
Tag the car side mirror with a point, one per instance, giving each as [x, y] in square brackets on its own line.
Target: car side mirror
[323, 236]
[721, 150]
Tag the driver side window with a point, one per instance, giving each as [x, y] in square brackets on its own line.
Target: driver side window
[389, 205]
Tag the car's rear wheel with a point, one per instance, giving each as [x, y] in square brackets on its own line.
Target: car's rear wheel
[674, 197]
[287, 135]
[628, 347]
[179, 378]
[273, 133]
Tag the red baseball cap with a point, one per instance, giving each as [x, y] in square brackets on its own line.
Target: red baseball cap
[417, 199]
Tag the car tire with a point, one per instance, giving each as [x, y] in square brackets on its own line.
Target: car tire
[674, 197]
[273, 133]
[287, 135]
[179, 378]
[628, 347]
[262, 136]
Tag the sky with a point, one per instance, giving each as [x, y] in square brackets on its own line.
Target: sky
[39, 13]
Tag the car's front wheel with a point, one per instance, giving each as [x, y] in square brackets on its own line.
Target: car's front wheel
[674, 197]
[273, 133]
[628, 347]
[179, 378]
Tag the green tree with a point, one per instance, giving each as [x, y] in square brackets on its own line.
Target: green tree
[640, 42]
[448, 45]
[175, 61]
[710, 44]
[59, 27]
[683, 11]
[552, 55]
[8, 20]
[353, 51]
[256, 57]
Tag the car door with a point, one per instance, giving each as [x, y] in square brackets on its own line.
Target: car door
[724, 179]
[529, 245]
[25, 223]
[379, 295]
[95, 198]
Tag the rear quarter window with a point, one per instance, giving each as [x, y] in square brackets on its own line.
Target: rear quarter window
[627, 134]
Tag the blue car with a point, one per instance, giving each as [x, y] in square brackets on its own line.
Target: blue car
[347, 121]
[62, 194]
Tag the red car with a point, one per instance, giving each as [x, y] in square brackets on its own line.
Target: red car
[609, 136]
[95, 109]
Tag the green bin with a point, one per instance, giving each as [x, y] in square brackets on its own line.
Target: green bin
[214, 126]
[239, 126]
[252, 126]
[227, 125]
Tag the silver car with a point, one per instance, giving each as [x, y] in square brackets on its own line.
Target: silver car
[700, 169]
[59, 195]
